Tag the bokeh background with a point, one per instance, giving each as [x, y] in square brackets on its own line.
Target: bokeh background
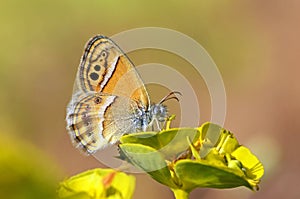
[254, 43]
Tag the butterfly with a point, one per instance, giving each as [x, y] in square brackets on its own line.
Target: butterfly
[109, 98]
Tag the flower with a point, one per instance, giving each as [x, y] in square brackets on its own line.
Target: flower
[98, 184]
[186, 158]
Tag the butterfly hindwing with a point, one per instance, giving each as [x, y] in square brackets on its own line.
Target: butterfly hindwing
[96, 119]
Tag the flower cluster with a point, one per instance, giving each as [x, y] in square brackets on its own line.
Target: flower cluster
[187, 158]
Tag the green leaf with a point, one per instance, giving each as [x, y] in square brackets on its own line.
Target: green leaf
[149, 160]
[210, 132]
[170, 143]
[143, 138]
[202, 174]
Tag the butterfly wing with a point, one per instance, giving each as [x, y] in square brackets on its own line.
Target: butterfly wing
[95, 120]
[105, 68]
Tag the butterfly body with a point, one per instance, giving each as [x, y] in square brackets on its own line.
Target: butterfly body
[109, 98]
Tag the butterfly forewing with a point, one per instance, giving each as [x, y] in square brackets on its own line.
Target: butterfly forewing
[106, 69]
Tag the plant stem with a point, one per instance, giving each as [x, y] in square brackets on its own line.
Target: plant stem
[180, 194]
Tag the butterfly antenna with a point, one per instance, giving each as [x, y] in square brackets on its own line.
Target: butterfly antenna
[171, 95]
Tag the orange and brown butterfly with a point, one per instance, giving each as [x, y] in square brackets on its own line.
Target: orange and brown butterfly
[109, 98]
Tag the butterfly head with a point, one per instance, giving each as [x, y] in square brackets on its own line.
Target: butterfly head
[159, 112]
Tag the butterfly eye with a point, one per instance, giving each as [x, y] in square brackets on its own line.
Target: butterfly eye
[97, 100]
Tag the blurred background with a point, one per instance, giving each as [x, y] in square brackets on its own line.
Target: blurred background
[255, 45]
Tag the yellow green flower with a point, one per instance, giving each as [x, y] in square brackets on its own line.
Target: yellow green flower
[98, 184]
